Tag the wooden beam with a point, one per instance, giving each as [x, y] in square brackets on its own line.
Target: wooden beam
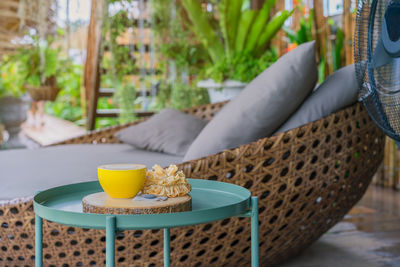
[320, 30]
[93, 59]
[348, 32]
[278, 41]
[107, 92]
[114, 113]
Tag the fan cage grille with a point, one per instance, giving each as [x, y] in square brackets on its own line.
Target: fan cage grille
[379, 87]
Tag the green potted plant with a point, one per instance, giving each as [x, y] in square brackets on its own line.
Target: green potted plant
[40, 66]
[237, 44]
[13, 107]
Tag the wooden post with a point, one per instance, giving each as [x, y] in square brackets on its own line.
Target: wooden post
[320, 30]
[93, 59]
[297, 14]
[329, 47]
[256, 4]
[278, 41]
[348, 32]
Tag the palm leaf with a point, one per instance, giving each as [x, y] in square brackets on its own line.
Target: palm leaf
[202, 28]
[302, 33]
[258, 25]
[246, 19]
[232, 20]
[272, 29]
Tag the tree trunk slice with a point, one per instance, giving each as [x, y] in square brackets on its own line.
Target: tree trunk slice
[102, 203]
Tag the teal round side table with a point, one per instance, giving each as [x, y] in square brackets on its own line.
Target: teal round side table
[211, 201]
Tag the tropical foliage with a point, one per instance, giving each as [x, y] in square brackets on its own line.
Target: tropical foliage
[304, 33]
[11, 80]
[40, 61]
[119, 63]
[180, 58]
[68, 104]
[31, 65]
[242, 34]
[335, 42]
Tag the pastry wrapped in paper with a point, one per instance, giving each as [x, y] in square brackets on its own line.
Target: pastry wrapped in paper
[166, 182]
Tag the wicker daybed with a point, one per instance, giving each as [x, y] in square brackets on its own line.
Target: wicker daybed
[306, 179]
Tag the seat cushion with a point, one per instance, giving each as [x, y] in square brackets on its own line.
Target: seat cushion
[170, 131]
[23, 171]
[338, 91]
[262, 106]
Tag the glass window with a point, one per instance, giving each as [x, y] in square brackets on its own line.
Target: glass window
[333, 7]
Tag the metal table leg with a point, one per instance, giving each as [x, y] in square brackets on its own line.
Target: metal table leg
[254, 232]
[110, 241]
[167, 247]
[38, 241]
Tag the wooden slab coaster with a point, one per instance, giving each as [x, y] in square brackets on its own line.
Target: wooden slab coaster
[102, 203]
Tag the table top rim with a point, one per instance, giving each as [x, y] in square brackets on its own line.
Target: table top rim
[146, 221]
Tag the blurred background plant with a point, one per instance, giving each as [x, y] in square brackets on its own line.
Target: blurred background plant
[68, 104]
[40, 61]
[193, 40]
[11, 79]
[241, 67]
[305, 32]
[119, 62]
[33, 69]
[180, 58]
[239, 43]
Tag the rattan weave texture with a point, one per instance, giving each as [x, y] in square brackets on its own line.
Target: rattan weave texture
[307, 179]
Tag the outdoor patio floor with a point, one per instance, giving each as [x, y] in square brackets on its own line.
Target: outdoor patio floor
[54, 130]
[368, 236]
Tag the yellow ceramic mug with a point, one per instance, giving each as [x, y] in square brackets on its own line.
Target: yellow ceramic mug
[122, 180]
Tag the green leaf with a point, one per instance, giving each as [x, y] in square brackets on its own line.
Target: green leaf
[337, 52]
[203, 29]
[60, 31]
[245, 21]
[321, 70]
[223, 24]
[302, 33]
[291, 34]
[310, 24]
[51, 62]
[272, 29]
[233, 18]
[259, 24]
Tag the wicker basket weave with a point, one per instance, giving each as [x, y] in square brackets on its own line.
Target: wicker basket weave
[307, 179]
[46, 92]
[43, 93]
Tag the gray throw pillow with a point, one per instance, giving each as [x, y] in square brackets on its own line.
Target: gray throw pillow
[262, 106]
[170, 131]
[338, 91]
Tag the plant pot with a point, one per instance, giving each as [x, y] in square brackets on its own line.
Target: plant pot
[219, 92]
[46, 92]
[13, 112]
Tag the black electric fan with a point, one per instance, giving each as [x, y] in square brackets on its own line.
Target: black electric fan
[377, 57]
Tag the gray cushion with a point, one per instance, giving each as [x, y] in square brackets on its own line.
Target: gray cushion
[171, 131]
[23, 171]
[338, 91]
[262, 106]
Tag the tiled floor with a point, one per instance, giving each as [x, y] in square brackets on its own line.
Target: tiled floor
[369, 236]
